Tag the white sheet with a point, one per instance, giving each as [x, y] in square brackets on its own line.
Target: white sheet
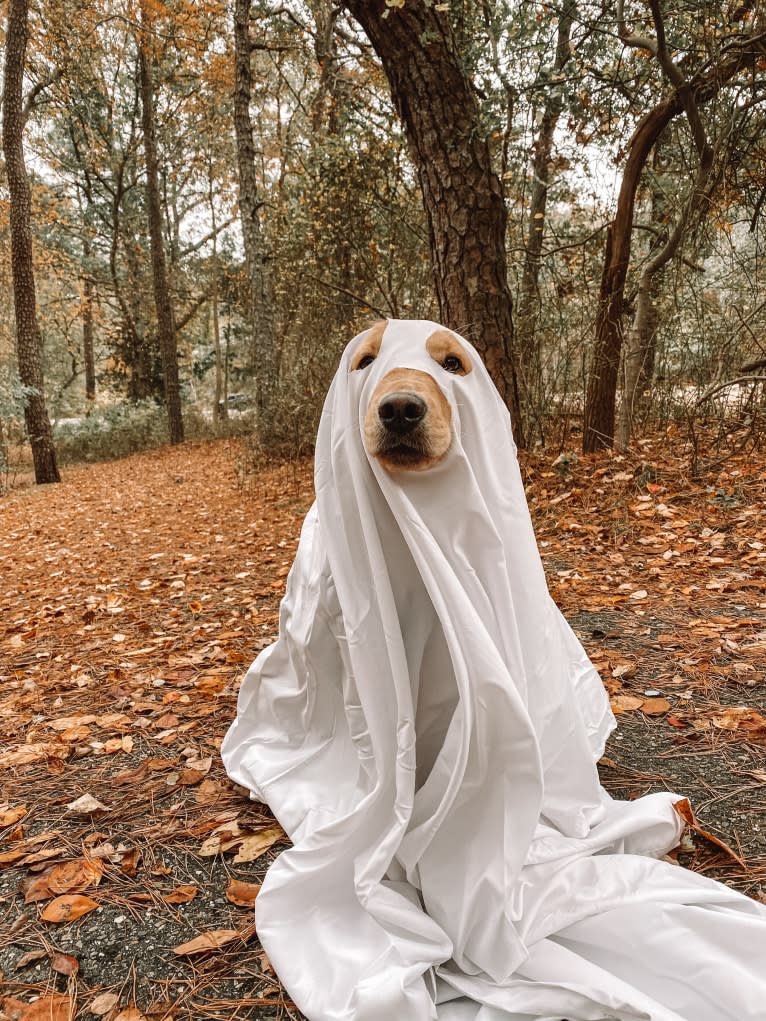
[426, 730]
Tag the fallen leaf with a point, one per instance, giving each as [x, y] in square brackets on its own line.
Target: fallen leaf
[655, 706]
[11, 815]
[131, 1013]
[190, 777]
[206, 941]
[68, 908]
[27, 753]
[103, 1004]
[86, 805]
[253, 847]
[625, 703]
[129, 861]
[51, 1007]
[181, 895]
[29, 958]
[37, 890]
[208, 792]
[74, 876]
[242, 894]
[684, 809]
[64, 964]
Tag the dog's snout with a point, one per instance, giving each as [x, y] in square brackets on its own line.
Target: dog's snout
[401, 412]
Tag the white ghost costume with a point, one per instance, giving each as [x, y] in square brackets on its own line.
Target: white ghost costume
[426, 730]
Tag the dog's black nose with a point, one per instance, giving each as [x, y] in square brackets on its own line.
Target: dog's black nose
[401, 412]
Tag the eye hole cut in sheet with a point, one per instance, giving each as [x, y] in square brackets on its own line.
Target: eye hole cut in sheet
[426, 729]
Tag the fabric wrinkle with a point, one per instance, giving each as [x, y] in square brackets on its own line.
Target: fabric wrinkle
[427, 727]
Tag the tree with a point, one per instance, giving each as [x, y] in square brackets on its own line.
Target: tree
[165, 325]
[638, 339]
[263, 354]
[28, 338]
[699, 88]
[529, 297]
[462, 193]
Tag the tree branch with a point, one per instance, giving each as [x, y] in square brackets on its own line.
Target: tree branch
[638, 42]
[35, 91]
[730, 382]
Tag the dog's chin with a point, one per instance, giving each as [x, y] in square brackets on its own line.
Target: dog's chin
[400, 455]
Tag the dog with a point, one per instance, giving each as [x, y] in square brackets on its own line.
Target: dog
[408, 423]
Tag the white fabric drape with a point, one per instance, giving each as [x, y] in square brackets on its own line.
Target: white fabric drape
[426, 729]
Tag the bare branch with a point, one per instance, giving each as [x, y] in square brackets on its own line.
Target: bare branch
[350, 294]
[730, 382]
[638, 42]
[35, 91]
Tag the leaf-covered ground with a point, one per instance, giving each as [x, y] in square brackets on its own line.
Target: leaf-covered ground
[132, 598]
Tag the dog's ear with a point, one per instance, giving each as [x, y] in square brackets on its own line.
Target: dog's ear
[369, 345]
[444, 347]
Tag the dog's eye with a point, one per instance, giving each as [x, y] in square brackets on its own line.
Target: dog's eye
[452, 364]
[364, 362]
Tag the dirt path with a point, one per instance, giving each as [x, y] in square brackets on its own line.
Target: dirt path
[132, 598]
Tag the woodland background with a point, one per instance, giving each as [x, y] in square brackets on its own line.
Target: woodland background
[202, 202]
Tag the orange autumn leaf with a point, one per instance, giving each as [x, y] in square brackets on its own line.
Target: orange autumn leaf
[64, 964]
[68, 908]
[655, 706]
[242, 894]
[181, 895]
[207, 941]
[684, 809]
[74, 876]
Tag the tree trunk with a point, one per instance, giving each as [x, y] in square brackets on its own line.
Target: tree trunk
[598, 424]
[529, 295]
[166, 333]
[28, 339]
[87, 327]
[462, 194]
[263, 349]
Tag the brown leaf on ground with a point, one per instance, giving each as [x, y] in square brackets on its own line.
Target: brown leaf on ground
[129, 861]
[253, 847]
[684, 809]
[181, 895]
[86, 805]
[64, 964]
[242, 894]
[29, 958]
[51, 1007]
[28, 753]
[206, 941]
[68, 908]
[74, 876]
[103, 1004]
[655, 706]
[625, 703]
[131, 1013]
[8, 815]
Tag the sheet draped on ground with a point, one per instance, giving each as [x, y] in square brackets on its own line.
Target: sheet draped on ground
[426, 729]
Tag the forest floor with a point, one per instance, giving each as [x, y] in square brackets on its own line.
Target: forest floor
[134, 595]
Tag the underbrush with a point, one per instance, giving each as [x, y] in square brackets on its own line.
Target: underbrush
[112, 432]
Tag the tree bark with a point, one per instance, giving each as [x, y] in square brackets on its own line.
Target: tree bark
[600, 400]
[166, 333]
[263, 348]
[529, 295]
[462, 194]
[28, 338]
[88, 355]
